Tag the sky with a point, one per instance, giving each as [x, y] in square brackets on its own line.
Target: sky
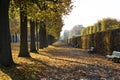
[88, 12]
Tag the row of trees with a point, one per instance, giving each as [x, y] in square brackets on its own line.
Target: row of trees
[74, 32]
[102, 25]
[44, 17]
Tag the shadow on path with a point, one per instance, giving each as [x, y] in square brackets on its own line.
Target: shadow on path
[40, 69]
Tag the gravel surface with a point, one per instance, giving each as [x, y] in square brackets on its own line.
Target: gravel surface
[66, 63]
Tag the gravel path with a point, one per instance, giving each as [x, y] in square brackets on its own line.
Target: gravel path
[66, 63]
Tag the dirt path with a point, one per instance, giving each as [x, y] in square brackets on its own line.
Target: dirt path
[66, 63]
[60, 62]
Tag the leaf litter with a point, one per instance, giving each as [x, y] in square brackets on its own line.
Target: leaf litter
[60, 62]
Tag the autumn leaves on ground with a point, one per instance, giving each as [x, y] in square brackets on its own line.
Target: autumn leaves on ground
[60, 62]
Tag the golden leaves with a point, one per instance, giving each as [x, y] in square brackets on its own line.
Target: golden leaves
[59, 62]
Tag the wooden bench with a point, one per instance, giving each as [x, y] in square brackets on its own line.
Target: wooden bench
[115, 57]
[76, 46]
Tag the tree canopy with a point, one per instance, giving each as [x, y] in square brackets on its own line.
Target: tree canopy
[51, 11]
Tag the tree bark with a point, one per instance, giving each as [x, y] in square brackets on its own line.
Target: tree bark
[50, 39]
[5, 47]
[32, 35]
[45, 36]
[23, 30]
[42, 36]
[37, 35]
[13, 38]
[16, 37]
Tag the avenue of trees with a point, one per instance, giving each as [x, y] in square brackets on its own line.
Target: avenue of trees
[43, 17]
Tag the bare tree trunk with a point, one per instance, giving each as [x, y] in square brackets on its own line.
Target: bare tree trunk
[37, 35]
[32, 35]
[15, 35]
[5, 47]
[23, 30]
[41, 42]
[45, 36]
[50, 39]
[42, 35]
[13, 38]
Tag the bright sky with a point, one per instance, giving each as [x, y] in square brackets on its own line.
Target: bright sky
[88, 12]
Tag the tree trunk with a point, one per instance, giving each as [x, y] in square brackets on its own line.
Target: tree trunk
[32, 35]
[41, 38]
[15, 35]
[50, 39]
[5, 47]
[42, 35]
[23, 30]
[37, 35]
[45, 36]
[13, 38]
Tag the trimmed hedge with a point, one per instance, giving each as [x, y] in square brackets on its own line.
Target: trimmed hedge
[104, 42]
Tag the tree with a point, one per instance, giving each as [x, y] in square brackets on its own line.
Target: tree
[108, 23]
[5, 47]
[37, 34]
[23, 30]
[50, 39]
[32, 35]
[51, 14]
[75, 31]
[42, 34]
[65, 34]
[43, 10]
[14, 18]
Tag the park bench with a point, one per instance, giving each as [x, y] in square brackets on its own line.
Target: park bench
[76, 46]
[115, 57]
[91, 50]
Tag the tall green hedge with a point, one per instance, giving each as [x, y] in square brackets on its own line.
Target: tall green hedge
[104, 42]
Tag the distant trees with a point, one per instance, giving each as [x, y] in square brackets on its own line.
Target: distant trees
[65, 34]
[102, 25]
[75, 31]
[14, 21]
